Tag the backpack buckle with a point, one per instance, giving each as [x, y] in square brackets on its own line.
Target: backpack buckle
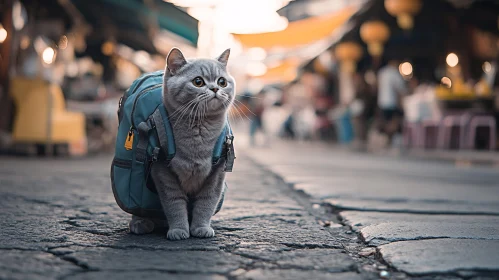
[230, 154]
[155, 154]
[229, 139]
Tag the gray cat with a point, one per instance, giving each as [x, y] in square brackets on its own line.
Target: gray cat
[197, 94]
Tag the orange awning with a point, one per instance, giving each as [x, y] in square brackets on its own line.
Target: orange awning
[282, 73]
[299, 32]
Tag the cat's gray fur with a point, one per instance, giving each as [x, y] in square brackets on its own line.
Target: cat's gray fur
[191, 178]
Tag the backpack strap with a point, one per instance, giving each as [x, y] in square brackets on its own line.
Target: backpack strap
[160, 131]
[230, 152]
[141, 150]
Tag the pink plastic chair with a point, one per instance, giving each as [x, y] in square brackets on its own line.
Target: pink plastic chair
[427, 139]
[448, 123]
[482, 121]
[412, 134]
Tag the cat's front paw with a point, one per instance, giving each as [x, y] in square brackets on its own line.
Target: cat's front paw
[203, 232]
[177, 234]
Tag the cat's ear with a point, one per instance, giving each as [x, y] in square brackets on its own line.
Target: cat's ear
[224, 57]
[175, 60]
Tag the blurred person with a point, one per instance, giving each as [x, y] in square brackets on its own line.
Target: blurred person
[391, 86]
[275, 113]
[341, 114]
[287, 129]
[324, 127]
[422, 103]
[257, 107]
[361, 108]
[304, 120]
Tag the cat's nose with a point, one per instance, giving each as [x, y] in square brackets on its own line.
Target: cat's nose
[214, 90]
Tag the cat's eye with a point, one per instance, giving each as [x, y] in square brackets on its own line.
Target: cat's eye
[198, 81]
[222, 82]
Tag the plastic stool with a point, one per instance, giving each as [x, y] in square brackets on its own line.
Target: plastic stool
[482, 121]
[411, 132]
[460, 121]
[423, 138]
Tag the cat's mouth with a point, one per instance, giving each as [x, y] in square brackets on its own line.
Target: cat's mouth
[218, 97]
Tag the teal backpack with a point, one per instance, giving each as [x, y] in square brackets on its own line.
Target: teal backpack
[144, 137]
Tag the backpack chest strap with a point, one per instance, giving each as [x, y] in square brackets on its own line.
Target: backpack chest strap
[230, 155]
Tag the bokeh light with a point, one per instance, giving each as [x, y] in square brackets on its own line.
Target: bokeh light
[487, 67]
[405, 69]
[3, 34]
[446, 81]
[257, 54]
[63, 42]
[48, 55]
[256, 69]
[452, 59]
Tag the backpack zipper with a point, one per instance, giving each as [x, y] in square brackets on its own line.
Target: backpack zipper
[145, 78]
[129, 138]
[132, 127]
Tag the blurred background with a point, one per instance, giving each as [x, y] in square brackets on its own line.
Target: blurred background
[368, 75]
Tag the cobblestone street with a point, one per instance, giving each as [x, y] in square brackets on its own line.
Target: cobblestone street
[60, 221]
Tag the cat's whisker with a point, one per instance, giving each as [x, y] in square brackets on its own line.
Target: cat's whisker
[183, 112]
[201, 109]
[198, 113]
[241, 111]
[193, 104]
[245, 107]
[179, 110]
[238, 113]
[182, 115]
[205, 108]
[193, 110]
[227, 104]
[235, 116]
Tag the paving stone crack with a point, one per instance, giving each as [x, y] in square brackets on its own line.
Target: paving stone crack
[148, 248]
[266, 216]
[311, 246]
[338, 209]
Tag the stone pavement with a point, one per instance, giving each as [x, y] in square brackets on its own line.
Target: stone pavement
[424, 218]
[59, 220]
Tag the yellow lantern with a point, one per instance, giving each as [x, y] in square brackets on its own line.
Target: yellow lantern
[348, 53]
[374, 34]
[404, 10]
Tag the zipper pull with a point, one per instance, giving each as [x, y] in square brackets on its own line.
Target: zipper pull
[129, 140]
